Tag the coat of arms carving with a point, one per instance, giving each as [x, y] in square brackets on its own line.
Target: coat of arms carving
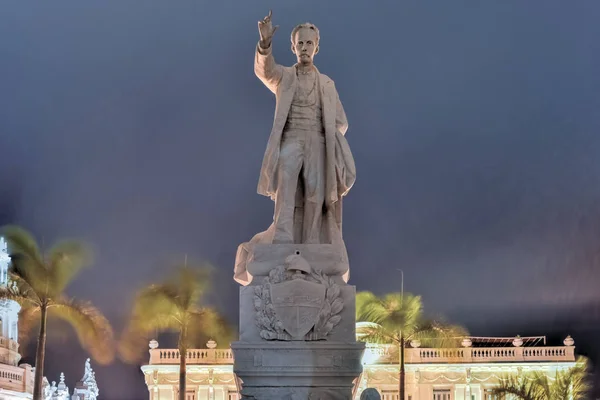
[297, 302]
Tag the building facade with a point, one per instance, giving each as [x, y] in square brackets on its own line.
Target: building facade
[16, 381]
[468, 372]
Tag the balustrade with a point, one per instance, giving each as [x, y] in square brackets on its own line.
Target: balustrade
[193, 356]
[489, 354]
[388, 354]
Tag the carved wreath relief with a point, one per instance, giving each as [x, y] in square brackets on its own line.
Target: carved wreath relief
[297, 302]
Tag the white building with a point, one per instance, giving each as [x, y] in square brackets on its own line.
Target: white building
[468, 372]
[16, 381]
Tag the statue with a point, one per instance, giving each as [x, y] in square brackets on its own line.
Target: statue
[296, 308]
[87, 387]
[307, 166]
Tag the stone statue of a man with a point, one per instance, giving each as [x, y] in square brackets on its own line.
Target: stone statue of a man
[307, 166]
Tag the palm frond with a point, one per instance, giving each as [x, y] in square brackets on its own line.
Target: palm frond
[13, 293]
[172, 306]
[395, 316]
[132, 345]
[375, 333]
[191, 283]
[541, 381]
[65, 260]
[29, 318]
[571, 383]
[403, 309]
[395, 313]
[205, 323]
[371, 308]
[25, 269]
[438, 334]
[157, 308]
[579, 378]
[26, 259]
[363, 304]
[22, 242]
[93, 329]
[521, 387]
[22, 287]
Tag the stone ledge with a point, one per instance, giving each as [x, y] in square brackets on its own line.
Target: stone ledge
[332, 260]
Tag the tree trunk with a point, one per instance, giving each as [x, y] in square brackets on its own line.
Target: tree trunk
[402, 372]
[39, 356]
[182, 375]
[182, 364]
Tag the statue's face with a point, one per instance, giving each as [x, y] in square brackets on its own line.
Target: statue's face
[305, 46]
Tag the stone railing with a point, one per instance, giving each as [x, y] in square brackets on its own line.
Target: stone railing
[15, 378]
[386, 354]
[194, 356]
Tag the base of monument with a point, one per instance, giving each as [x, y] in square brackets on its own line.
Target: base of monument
[277, 370]
[260, 259]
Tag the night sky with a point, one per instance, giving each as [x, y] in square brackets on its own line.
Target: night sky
[139, 126]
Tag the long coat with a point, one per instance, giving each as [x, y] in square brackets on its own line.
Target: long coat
[340, 169]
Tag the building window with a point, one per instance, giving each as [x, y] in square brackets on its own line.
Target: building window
[389, 395]
[232, 396]
[442, 394]
[489, 395]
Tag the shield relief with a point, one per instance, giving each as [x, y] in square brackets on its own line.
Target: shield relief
[297, 304]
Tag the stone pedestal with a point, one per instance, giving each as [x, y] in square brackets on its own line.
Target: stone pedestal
[278, 370]
[297, 325]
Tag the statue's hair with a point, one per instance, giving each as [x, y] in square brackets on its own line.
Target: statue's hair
[306, 25]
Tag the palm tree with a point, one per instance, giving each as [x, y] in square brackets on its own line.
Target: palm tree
[568, 384]
[398, 318]
[38, 284]
[172, 306]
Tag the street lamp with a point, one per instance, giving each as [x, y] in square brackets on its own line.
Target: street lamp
[401, 282]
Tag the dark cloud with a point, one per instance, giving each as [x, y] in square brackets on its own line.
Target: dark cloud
[140, 127]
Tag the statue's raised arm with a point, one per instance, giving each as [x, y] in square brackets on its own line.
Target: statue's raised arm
[266, 31]
[265, 67]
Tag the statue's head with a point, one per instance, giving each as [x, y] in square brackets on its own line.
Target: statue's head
[305, 42]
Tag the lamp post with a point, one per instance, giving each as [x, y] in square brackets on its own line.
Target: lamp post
[401, 282]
